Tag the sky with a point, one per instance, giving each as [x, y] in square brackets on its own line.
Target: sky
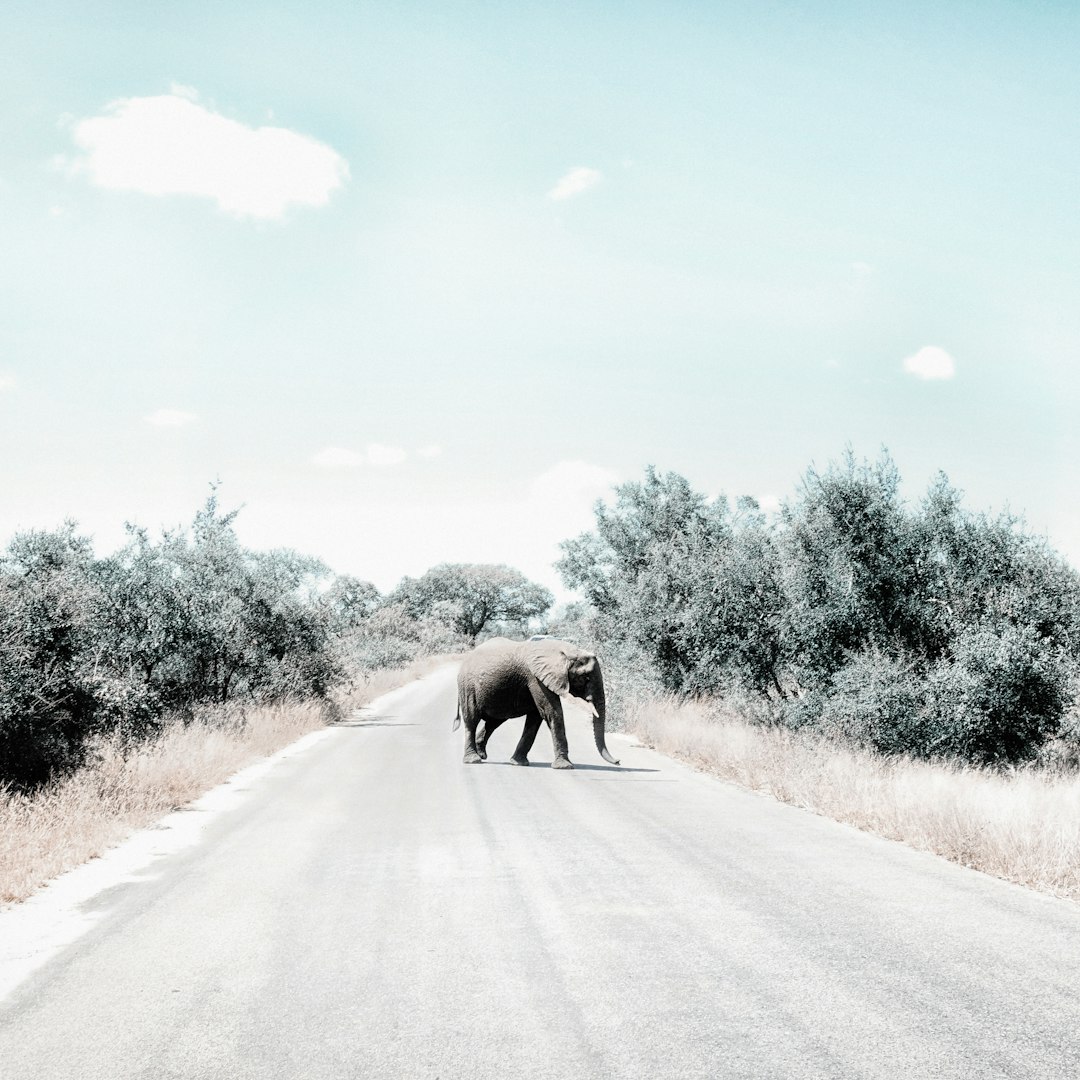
[419, 282]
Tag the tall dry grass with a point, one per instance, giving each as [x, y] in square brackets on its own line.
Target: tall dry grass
[123, 787]
[1023, 826]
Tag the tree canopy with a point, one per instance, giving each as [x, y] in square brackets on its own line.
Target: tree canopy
[473, 597]
[923, 629]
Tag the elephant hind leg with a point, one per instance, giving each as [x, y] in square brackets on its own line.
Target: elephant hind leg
[484, 732]
[470, 717]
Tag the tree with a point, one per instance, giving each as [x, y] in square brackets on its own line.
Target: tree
[195, 617]
[690, 584]
[849, 558]
[48, 705]
[472, 598]
[350, 601]
[924, 630]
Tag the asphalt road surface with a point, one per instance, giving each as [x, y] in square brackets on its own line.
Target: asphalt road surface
[371, 907]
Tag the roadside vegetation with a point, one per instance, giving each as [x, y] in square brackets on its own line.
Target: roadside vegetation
[123, 785]
[907, 667]
[1021, 824]
[131, 684]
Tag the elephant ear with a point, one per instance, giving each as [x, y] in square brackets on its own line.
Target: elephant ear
[549, 661]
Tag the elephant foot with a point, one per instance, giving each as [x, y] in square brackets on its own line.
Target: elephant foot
[562, 763]
[472, 758]
[520, 760]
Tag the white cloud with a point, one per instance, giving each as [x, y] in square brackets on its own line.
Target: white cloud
[7, 382]
[170, 418]
[578, 179]
[930, 362]
[336, 457]
[171, 145]
[432, 450]
[377, 454]
[572, 484]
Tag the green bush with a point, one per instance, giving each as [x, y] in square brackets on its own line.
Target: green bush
[49, 666]
[1000, 696]
[390, 637]
[90, 646]
[878, 701]
[925, 630]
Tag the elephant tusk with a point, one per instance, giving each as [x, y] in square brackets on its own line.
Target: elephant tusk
[592, 709]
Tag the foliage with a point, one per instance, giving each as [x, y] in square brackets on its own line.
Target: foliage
[166, 628]
[472, 599]
[350, 602]
[48, 674]
[692, 584]
[925, 630]
[90, 647]
[392, 638]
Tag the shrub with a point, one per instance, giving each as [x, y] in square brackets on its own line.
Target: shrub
[48, 662]
[392, 638]
[925, 630]
[999, 697]
[878, 701]
[91, 647]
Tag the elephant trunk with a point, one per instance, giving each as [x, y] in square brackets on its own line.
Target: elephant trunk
[599, 703]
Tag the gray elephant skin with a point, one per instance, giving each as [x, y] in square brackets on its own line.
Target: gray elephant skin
[503, 679]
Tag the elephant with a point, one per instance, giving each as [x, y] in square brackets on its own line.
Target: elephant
[501, 679]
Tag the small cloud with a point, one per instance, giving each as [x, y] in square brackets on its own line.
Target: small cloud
[432, 450]
[337, 457]
[7, 382]
[170, 418]
[769, 503]
[930, 362]
[56, 211]
[573, 480]
[171, 145]
[861, 270]
[577, 180]
[380, 455]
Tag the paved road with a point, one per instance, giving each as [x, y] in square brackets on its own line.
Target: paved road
[374, 908]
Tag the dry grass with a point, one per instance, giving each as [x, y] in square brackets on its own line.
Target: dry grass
[1023, 826]
[123, 788]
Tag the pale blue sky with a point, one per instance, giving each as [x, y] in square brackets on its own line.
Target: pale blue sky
[777, 205]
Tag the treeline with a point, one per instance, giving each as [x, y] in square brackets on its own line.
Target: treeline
[168, 627]
[920, 629]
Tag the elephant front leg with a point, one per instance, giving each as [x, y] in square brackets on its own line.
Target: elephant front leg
[528, 737]
[553, 715]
